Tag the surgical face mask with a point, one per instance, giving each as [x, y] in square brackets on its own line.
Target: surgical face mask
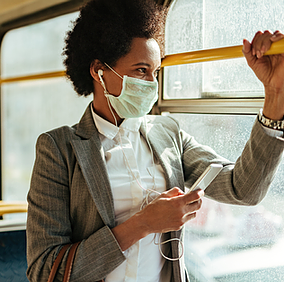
[137, 96]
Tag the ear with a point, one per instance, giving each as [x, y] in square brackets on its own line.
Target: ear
[95, 66]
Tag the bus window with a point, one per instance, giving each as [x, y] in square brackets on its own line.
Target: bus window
[194, 25]
[224, 243]
[34, 106]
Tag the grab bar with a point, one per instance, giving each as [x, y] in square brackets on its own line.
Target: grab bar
[12, 207]
[215, 54]
[171, 60]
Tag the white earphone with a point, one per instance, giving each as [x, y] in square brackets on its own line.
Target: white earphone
[100, 73]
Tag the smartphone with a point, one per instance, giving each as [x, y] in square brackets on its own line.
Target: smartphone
[206, 177]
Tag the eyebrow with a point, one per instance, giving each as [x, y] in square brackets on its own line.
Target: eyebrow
[144, 64]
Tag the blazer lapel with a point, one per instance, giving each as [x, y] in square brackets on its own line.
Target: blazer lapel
[89, 154]
[166, 153]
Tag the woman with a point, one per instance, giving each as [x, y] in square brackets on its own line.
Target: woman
[95, 182]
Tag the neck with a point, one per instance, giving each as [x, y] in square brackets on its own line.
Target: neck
[102, 108]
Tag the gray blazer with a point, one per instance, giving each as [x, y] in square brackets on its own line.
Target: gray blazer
[70, 197]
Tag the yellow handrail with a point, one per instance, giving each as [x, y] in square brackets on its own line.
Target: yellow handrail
[33, 77]
[171, 60]
[215, 54]
[12, 207]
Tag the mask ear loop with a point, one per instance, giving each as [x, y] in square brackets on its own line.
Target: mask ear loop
[113, 70]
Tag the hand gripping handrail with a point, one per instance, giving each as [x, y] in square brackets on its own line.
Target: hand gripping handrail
[215, 54]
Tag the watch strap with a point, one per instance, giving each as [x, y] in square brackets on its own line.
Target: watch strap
[270, 123]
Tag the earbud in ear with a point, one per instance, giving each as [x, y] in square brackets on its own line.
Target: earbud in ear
[100, 73]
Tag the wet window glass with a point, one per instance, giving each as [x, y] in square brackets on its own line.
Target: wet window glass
[196, 25]
[31, 107]
[233, 243]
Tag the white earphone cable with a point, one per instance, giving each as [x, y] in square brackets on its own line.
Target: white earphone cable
[146, 201]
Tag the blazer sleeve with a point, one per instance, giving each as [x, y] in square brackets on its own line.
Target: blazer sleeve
[247, 181]
[49, 226]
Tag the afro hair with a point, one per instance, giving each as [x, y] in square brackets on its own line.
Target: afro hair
[105, 30]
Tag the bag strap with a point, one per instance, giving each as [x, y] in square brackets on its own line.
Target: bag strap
[69, 263]
[57, 263]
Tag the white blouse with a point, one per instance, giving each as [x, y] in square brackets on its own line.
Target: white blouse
[130, 165]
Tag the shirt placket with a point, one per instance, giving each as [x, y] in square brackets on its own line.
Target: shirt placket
[137, 198]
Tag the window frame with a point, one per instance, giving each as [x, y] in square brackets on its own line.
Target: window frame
[2, 34]
[243, 106]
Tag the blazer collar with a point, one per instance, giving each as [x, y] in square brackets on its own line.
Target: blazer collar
[86, 127]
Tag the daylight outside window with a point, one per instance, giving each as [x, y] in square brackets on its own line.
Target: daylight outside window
[225, 243]
[197, 25]
[35, 106]
[233, 243]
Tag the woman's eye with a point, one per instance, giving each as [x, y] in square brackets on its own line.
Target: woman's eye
[142, 70]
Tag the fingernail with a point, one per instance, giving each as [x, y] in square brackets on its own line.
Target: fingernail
[201, 193]
[273, 37]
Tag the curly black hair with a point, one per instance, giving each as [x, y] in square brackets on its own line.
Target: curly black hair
[104, 30]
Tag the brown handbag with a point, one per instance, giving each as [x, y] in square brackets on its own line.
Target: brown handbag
[69, 263]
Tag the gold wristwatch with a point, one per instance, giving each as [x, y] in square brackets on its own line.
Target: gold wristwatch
[270, 123]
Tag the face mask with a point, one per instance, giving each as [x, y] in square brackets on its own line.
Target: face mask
[137, 96]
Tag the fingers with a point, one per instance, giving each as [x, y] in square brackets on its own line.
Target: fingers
[193, 207]
[183, 199]
[177, 206]
[193, 204]
[260, 44]
[174, 192]
[247, 51]
[277, 36]
[189, 216]
[189, 204]
[246, 46]
[193, 196]
[186, 212]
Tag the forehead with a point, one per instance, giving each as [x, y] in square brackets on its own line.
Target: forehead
[142, 51]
